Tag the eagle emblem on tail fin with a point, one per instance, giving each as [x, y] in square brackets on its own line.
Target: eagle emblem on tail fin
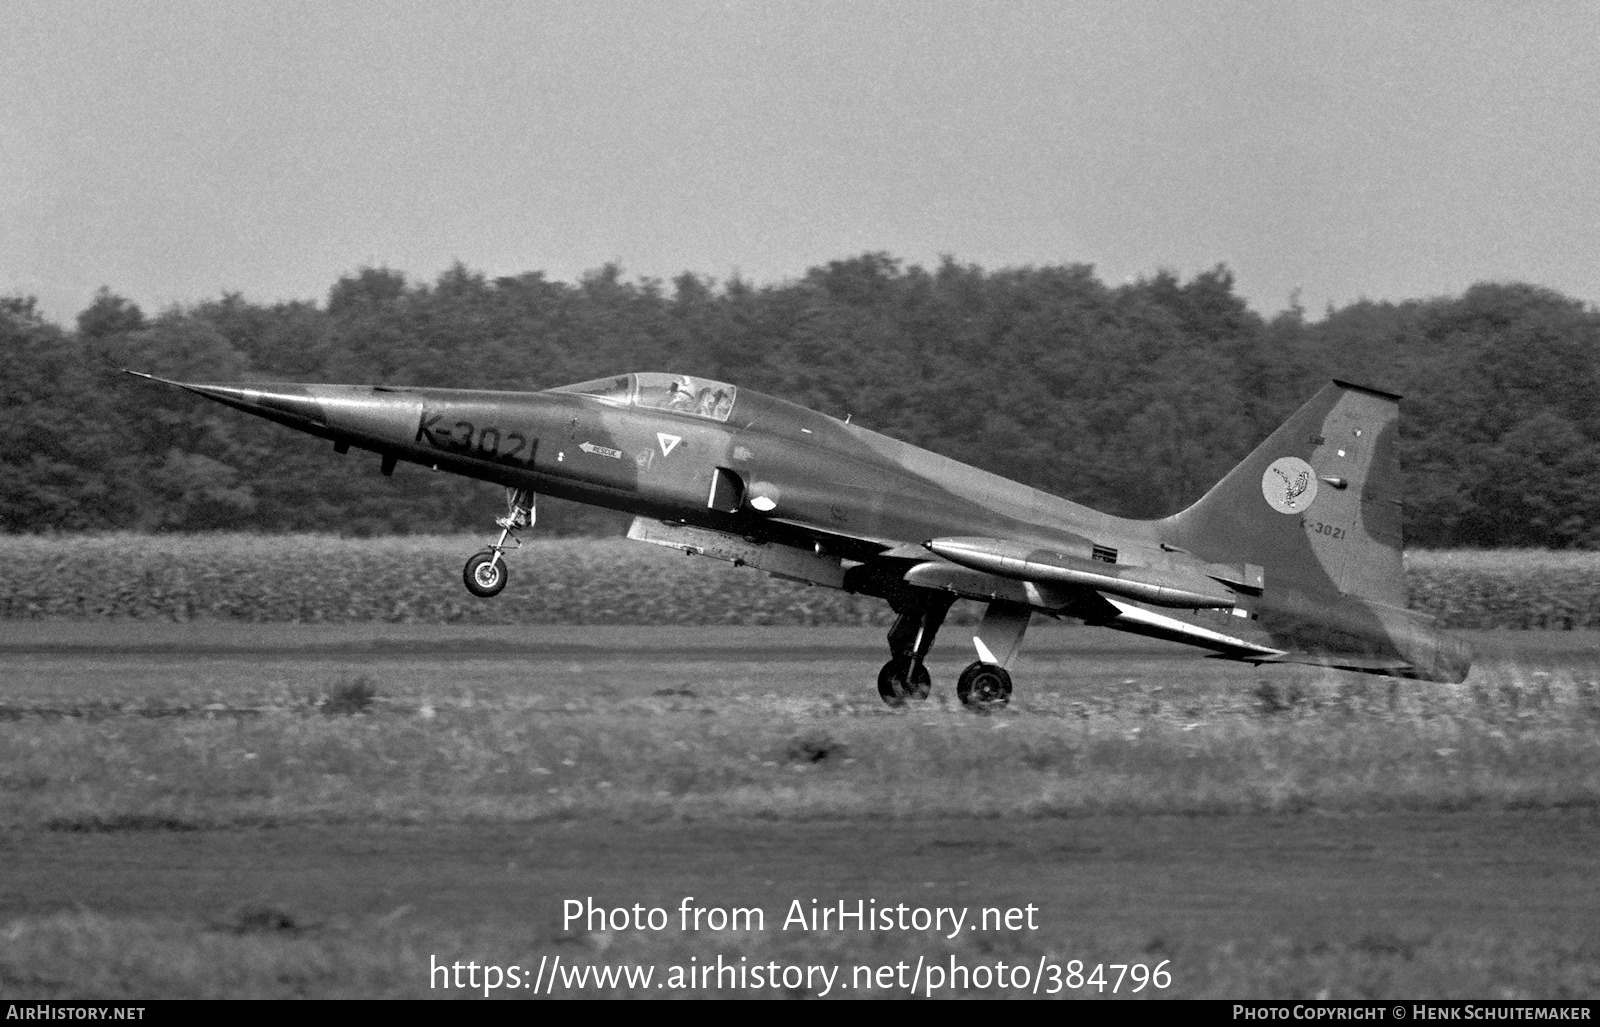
[1289, 485]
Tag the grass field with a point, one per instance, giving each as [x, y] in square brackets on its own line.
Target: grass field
[271, 738]
[194, 809]
[324, 579]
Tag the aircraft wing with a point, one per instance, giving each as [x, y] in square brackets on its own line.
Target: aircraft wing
[1128, 598]
[1101, 600]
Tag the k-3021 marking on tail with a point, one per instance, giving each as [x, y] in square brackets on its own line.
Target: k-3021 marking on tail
[1294, 557]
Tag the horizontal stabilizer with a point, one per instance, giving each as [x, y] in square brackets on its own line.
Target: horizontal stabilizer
[1340, 661]
[1139, 621]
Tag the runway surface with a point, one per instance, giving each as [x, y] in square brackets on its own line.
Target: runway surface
[208, 638]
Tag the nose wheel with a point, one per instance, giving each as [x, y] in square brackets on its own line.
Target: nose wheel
[486, 573]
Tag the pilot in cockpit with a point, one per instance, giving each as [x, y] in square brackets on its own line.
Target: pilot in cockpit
[680, 397]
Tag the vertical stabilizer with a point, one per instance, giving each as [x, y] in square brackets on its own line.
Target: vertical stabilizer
[1317, 505]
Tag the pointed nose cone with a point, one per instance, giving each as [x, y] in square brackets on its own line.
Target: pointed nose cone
[289, 403]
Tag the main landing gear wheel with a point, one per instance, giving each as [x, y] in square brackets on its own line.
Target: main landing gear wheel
[485, 574]
[984, 686]
[921, 683]
[904, 678]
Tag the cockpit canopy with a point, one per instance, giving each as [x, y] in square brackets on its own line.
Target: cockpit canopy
[701, 397]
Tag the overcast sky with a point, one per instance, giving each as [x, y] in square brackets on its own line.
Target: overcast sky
[1389, 150]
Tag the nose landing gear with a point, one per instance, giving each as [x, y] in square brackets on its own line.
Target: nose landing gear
[486, 572]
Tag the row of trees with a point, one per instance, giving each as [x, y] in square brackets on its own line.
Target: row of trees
[1132, 398]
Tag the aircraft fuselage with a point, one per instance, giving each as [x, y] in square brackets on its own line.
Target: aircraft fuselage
[758, 480]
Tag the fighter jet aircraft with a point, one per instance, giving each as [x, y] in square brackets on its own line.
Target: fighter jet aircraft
[1294, 557]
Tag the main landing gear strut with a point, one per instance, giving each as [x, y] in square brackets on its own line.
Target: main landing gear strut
[986, 684]
[904, 676]
[486, 573]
